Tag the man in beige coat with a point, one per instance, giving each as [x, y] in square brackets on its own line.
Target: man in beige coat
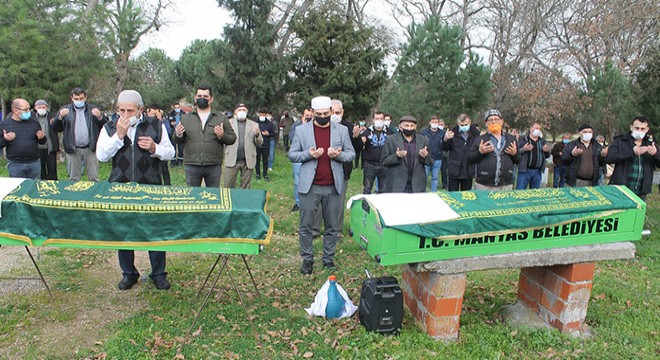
[241, 156]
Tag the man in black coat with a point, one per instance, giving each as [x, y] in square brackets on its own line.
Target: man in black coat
[583, 158]
[47, 151]
[458, 142]
[406, 154]
[635, 156]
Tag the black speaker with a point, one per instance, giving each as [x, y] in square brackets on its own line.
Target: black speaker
[381, 305]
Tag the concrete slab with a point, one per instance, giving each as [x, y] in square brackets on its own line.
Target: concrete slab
[547, 257]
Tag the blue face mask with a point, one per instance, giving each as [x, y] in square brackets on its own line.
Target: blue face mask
[464, 128]
[78, 103]
[25, 115]
[177, 110]
[565, 141]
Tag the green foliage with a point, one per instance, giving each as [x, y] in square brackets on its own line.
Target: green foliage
[199, 64]
[337, 59]
[436, 76]
[648, 82]
[45, 51]
[253, 72]
[610, 95]
[154, 75]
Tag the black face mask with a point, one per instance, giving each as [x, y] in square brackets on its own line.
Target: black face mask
[202, 103]
[322, 120]
[408, 132]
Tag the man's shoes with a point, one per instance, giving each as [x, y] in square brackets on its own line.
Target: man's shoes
[161, 282]
[350, 232]
[295, 208]
[329, 265]
[306, 268]
[267, 178]
[127, 282]
[258, 177]
[270, 169]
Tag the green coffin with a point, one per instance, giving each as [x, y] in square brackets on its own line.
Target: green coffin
[134, 216]
[498, 222]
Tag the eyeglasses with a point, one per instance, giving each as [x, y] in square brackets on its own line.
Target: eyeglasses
[26, 109]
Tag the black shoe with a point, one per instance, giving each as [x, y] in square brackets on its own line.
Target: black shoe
[258, 177]
[350, 232]
[295, 208]
[127, 282]
[329, 265]
[267, 178]
[306, 268]
[161, 282]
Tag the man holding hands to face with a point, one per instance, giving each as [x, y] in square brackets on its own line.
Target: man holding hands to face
[321, 146]
[136, 144]
[495, 154]
[405, 156]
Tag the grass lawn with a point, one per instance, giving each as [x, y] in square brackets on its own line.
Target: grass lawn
[90, 319]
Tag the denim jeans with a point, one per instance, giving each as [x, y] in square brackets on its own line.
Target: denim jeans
[31, 170]
[296, 179]
[435, 172]
[271, 155]
[559, 179]
[530, 178]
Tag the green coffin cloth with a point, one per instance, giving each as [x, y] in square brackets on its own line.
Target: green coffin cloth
[492, 212]
[112, 214]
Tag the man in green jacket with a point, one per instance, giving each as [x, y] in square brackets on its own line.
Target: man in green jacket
[203, 133]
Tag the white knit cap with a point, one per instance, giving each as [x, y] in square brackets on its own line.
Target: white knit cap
[321, 102]
[130, 96]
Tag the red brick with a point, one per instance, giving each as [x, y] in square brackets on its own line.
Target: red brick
[529, 302]
[535, 273]
[575, 272]
[447, 285]
[565, 311]
[411, 279]
[445, 306]
[579, 292]
[443, 327]
[553, 283]
[422, 277]
[552, 303]
[529, 287]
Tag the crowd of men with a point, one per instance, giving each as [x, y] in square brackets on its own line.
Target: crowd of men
[324, 147]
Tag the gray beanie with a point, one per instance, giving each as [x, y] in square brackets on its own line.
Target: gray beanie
[40, 102]
[130, 96]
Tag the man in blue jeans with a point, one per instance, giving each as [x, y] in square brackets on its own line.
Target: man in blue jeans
[435, 133]
[533, 151]
[559, 179]
[21, 136]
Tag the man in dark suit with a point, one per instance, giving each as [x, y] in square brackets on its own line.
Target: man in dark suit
[322, 147]
[405, 154]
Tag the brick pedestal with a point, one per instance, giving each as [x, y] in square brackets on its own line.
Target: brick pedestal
[434, 300]
[558, 294]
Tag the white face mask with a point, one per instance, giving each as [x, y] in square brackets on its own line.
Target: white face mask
[335, 118]
[638, 135]
[133, 120]
[387, 122]
[434, 126]
[241, 115]
[537, 133]
[378, 124]
[441, 127]
[587, 136]
[41, 112]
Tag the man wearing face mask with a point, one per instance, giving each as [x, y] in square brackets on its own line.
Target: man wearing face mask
[241, 156]
[81, 124]
[435, 133]
[494, 153]
[533, 152]
[321, 146]
[47, 151]
[308, 116]
[174, 118]
[374, 138]
[583, 158]
[559, 176]
[136, 144]
[404, 156]
[634, 156]
[203, 132]
[21, 136]
[361, 126]
[263, 153]
[457, 142]
[389, 128]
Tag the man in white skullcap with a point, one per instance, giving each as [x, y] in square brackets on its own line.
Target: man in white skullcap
[136, 144]
[322, 147]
